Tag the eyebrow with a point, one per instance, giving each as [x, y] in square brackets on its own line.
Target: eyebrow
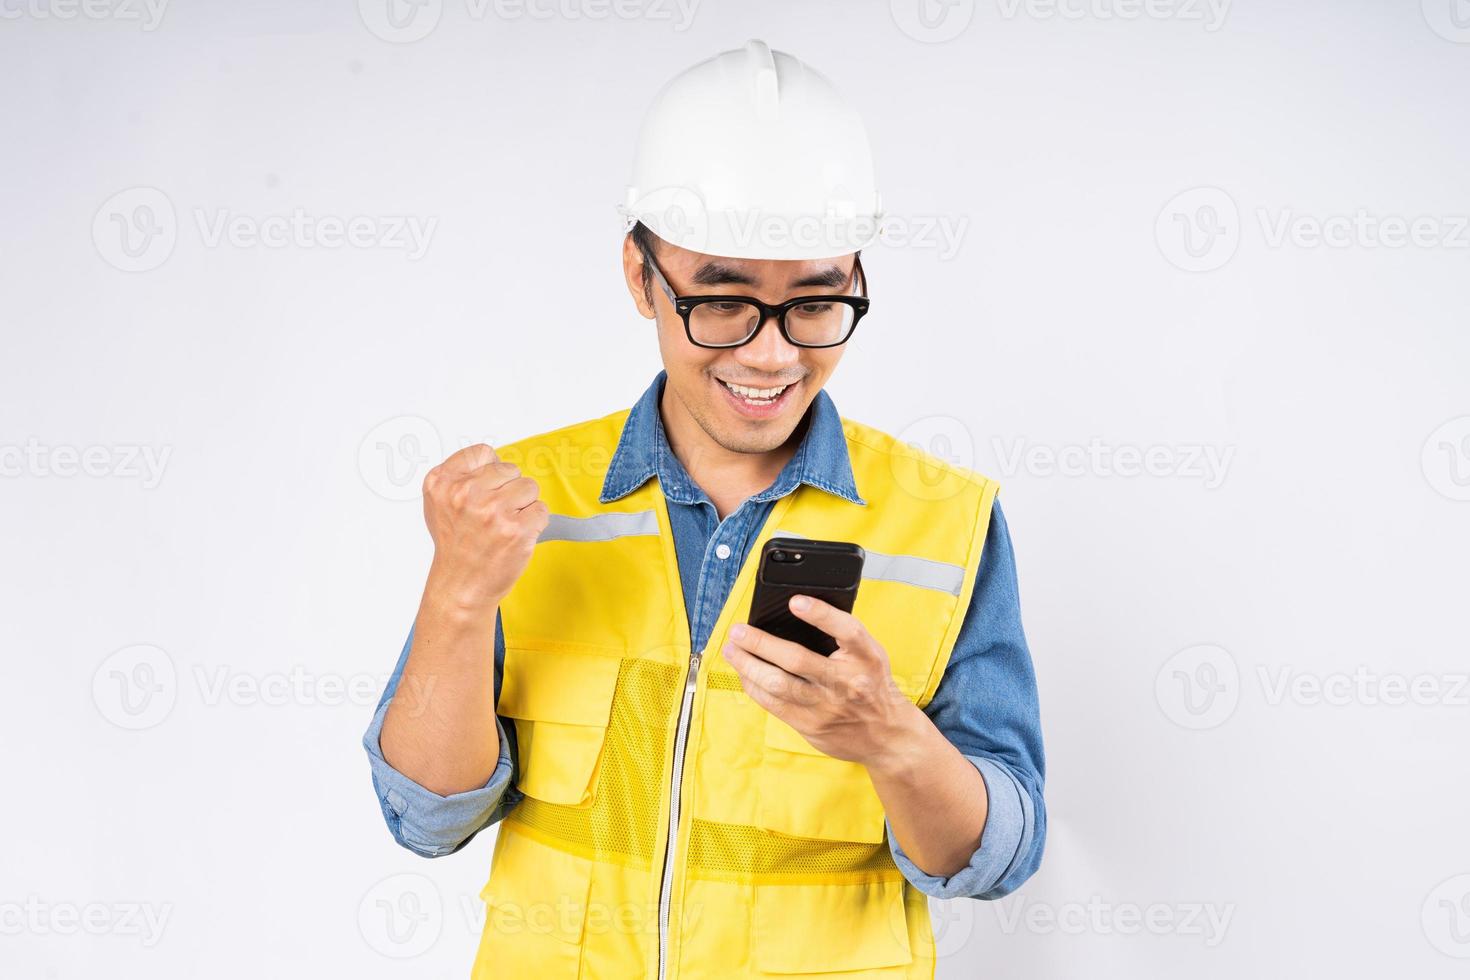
[719, 274]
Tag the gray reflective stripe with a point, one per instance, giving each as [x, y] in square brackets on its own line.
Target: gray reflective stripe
[908, 569]
[912, 570]
[599, 527]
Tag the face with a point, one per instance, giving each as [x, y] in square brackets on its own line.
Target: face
[747, 399]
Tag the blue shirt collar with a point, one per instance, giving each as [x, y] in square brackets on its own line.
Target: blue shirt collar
[643, 451]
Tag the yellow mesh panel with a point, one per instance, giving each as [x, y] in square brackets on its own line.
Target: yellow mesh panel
[621, 826]
[724, 682]
[735, 851]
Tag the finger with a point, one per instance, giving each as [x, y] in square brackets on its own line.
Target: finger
[790, 657]
[469, 459]
[781, 709]
[535, 516]
[843, 627]
[520, 492]
[493, 475]
[763, 675]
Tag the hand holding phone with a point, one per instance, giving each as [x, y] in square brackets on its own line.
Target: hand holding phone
[826, 570]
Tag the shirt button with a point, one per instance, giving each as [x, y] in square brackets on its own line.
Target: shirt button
[722, 551]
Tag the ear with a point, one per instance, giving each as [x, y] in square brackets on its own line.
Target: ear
[633, 274]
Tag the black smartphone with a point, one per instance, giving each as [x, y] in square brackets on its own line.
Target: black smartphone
[828, 570]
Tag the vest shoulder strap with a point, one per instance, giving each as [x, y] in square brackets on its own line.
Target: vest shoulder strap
[570, 463]
[926, 505]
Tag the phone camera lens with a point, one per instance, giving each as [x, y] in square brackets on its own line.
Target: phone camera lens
[778, 555]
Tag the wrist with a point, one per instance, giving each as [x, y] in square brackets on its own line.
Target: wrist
[459, 596]
[904, 747]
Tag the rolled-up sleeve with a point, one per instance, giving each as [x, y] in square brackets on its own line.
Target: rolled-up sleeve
[420, 819]
[987, 706]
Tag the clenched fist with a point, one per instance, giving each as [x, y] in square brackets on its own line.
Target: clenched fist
[484, 517]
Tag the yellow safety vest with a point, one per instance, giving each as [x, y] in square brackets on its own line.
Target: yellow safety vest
[672, 827]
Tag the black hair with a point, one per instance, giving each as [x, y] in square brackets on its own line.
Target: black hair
[647, 243]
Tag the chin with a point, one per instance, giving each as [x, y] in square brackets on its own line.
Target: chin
[743, 436]
[754, 443]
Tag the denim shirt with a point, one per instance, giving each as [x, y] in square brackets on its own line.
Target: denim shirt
[985, 704]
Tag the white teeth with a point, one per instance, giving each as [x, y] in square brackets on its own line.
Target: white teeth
[758, 395]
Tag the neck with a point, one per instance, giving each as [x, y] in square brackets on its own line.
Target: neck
[727, 477]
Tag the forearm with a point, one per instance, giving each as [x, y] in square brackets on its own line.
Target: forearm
[439, 729]
[935, 798]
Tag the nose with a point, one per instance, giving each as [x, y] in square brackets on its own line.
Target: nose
[769, 352]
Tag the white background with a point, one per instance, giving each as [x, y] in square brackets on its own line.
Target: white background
[1265, 830]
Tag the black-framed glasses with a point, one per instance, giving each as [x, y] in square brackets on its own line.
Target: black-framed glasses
[722, 321]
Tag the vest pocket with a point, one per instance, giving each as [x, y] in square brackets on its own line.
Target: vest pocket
[806, 793]
[560, 702]
[535, 910]
[802, 929]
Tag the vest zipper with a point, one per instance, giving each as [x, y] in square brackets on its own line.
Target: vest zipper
[681, 739]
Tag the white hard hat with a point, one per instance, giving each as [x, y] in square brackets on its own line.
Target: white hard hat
[753, 154]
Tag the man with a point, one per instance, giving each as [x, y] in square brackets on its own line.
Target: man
[681, 794]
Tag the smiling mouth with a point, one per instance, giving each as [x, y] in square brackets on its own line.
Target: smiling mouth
[755, 396]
